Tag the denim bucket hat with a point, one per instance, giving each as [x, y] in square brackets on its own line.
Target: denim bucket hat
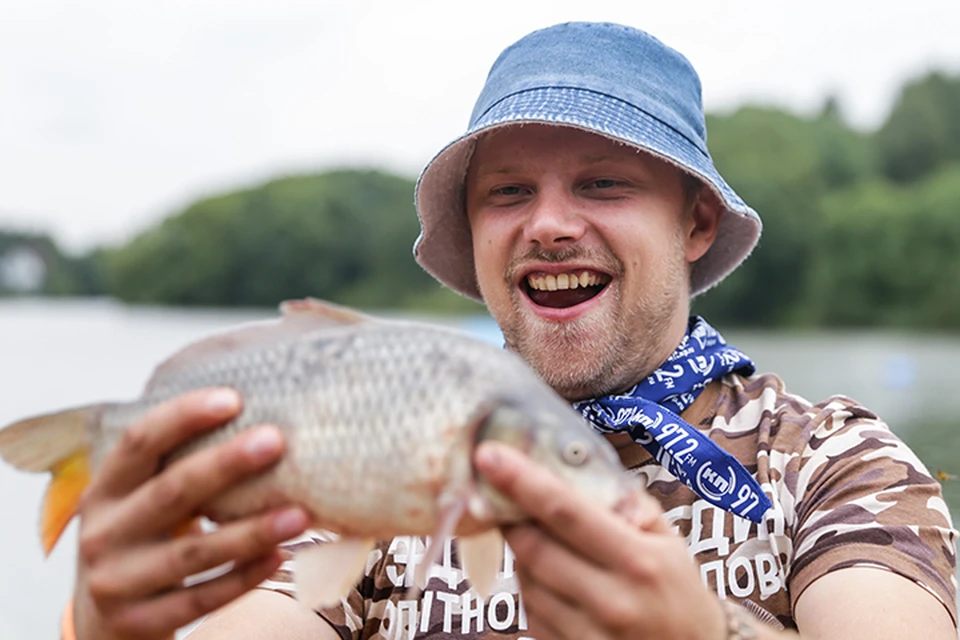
[608, 79]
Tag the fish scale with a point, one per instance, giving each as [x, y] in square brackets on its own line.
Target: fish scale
[341, 402]
[380, 421]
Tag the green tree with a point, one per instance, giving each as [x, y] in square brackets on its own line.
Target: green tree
[33, 263]
[922, 131]
[344, 236]
[781, 165]
[889, 255]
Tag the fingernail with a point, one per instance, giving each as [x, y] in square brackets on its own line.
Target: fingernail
[223, 401]
[263, 443]
[290, 522]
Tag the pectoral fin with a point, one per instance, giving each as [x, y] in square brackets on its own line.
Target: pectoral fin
[325, 573]
[449, 517]
[481, 557]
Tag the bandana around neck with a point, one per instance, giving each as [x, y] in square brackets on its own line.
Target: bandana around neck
[649, 412]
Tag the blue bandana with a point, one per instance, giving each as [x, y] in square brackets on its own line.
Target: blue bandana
[649, 412]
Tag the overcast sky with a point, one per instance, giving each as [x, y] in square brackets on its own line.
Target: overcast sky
[113, 114]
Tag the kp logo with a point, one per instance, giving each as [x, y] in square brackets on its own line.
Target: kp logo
[713, 485]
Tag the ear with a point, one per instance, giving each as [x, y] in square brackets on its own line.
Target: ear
[702, 224]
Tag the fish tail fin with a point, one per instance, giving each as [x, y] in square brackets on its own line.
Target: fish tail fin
[60, 444]
[70, 477]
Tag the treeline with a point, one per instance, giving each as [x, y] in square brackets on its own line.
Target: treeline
[860, 229]
[31, 262]
[344, 236]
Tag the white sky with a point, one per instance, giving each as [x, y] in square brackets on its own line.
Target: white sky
[113, 114]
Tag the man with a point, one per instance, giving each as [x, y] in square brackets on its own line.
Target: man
[583, 208]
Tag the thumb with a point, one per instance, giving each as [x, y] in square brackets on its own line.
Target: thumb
[643, 511]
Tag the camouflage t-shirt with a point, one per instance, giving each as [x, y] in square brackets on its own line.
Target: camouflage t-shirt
[846, 492]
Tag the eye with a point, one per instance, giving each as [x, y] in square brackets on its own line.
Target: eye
[507, 190]
[602, 183]
[575, 453]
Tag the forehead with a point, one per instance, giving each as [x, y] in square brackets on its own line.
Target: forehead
[517, 147]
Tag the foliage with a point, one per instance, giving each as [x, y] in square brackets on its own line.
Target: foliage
[782, 165]
[860, 229]
[922, 132]
[890, 255]
[32, 263]
[342, 236]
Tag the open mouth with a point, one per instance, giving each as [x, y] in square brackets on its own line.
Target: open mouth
[562, 290]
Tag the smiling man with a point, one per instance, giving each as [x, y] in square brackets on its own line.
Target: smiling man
[583, 208]
[589, 292]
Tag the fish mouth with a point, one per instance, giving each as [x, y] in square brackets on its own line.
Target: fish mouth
[563, 287]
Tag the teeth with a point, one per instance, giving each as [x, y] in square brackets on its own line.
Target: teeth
[564, 281]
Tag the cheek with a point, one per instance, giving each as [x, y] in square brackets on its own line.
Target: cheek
[490, 251]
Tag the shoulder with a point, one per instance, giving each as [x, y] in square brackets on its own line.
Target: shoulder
[740, 397]
[763, 404]
[809, 449]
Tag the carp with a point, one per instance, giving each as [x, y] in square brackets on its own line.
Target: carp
[381, 419]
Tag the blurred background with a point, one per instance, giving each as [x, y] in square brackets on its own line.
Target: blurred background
[170, 168]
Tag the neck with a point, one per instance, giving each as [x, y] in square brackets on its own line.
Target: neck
[669, 339]
[672, 338]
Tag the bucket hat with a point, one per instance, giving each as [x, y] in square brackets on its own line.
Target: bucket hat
[609, 79]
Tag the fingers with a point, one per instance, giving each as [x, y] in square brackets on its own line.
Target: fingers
[597, 533]
[577, 599]
[555, 568]
[175, 496]
[155, 617]
[549, 616]
[131, 574]
[643, 512]
[137, 455]
[151, 569]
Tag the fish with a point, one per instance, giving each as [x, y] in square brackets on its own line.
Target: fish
[380, 417]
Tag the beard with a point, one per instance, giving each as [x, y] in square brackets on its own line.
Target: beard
[610, 348]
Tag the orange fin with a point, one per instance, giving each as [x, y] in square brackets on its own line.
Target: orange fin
[59, 443]
[70, 477]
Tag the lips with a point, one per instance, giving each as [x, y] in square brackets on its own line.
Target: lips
[563, 289]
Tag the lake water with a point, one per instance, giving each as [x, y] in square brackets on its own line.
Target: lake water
[55, 354]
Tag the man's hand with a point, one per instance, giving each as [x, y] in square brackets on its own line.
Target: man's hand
[586, 572]
[131, 570]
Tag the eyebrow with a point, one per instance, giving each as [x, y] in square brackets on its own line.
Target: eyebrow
[510, 168]
[515, 168]
[598, 158]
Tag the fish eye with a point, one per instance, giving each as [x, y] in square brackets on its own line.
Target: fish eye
[575, 453]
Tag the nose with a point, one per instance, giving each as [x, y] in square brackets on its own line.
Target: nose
[554, 220]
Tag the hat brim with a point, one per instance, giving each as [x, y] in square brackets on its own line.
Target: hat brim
[445, 247]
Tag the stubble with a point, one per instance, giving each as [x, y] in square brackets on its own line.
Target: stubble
[611, 348]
